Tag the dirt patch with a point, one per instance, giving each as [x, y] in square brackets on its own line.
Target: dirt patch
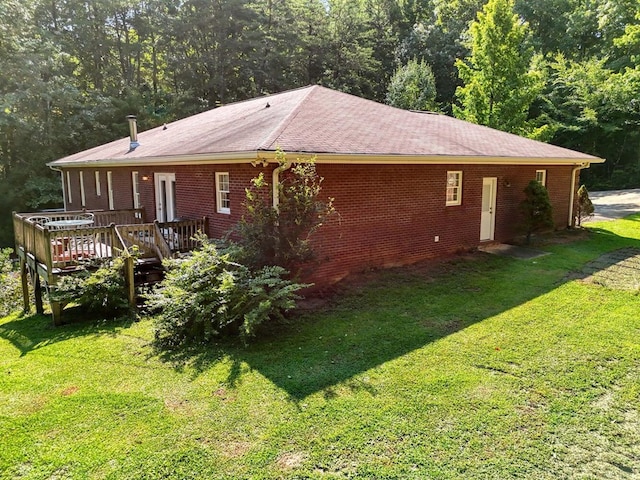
[618, 270]
[69, 391]
[291, 460]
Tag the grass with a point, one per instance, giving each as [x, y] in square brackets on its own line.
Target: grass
[481, 367]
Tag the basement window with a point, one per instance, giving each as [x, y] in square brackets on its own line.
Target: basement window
[223, 202]
[454, 188]
[541, 177]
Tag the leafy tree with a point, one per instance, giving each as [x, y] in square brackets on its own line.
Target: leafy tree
[281, 236]
[350, 63]
[597, 111]
[413, 87]
[499, 86]
[584, 207]
[536, 209]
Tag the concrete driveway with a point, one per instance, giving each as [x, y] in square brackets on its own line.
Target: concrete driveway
[614, 204]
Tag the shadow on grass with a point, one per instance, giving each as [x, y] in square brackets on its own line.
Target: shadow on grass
[391, 313]
[378, 319]
[32, 331]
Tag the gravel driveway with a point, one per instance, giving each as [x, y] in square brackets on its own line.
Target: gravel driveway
[614, 204]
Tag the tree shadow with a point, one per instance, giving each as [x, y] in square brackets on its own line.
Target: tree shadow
[29, 332]
[404, 309]
[379, 317]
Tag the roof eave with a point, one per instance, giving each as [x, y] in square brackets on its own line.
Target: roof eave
[396, 159]
[264, 156]
[199, 159]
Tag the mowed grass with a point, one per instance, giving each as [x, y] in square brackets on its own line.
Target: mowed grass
[479, 367]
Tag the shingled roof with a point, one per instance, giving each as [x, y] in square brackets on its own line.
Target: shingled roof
[332, 124]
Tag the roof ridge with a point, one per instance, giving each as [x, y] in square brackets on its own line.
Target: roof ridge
[275, 133]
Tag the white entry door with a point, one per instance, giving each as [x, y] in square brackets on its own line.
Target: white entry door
[488, 216]
[165, 184]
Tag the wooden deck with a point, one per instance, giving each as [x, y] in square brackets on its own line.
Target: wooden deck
[53, 244]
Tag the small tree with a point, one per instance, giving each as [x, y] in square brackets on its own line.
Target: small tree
[536, 209]
[584, 207]
[281, 236]
[413, 87]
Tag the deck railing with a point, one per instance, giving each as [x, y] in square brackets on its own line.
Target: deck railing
[62, 248]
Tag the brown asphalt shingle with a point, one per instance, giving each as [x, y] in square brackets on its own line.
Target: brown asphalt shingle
[320, 120]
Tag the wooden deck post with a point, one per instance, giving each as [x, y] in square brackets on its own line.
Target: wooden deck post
[25, 285]
[37, 289]
[129, 280]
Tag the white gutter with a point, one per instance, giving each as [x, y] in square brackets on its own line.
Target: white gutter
[275, 182]
[573, 190]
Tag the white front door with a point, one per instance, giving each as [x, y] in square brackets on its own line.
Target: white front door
[488, 216]
[165, 184]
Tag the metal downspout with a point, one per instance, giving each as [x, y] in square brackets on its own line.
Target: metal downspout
[276, 182]
[64, 196]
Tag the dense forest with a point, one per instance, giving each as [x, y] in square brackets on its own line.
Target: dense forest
[563, 71]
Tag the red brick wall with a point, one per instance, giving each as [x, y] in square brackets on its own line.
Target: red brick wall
[385, 214]
[390, 214]
[195, 191]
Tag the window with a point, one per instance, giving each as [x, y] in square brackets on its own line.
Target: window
[110, 189]
[454, 188]
[541, 177]
[222, 192]
[69, 188]
[135, 182]
[83, 198]
[98, 187]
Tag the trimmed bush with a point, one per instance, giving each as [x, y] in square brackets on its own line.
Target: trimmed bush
[102, 291]
[207, 295]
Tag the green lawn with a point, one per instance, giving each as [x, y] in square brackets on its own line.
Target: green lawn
[483, 367]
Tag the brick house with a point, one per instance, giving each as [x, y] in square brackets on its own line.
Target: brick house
[407, 185]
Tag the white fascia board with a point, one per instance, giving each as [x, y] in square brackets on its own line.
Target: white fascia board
[330, 158]
[199, 159]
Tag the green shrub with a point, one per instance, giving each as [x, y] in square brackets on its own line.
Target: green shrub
[584, 207]
[102, 291]
[10, 288]
[536, 209]
[208, 294]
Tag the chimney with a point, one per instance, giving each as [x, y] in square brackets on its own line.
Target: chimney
[133, 132]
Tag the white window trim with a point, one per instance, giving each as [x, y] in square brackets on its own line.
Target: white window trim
[69, 199]
[219, 207]
[98, 186]
[458, 199]
[83, 198]
[135, 185]
[543, 177]
[110, 189]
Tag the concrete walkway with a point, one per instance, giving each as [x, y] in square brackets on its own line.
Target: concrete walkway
[614, 204]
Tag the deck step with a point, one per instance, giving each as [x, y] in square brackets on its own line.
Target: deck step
[148, 272]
